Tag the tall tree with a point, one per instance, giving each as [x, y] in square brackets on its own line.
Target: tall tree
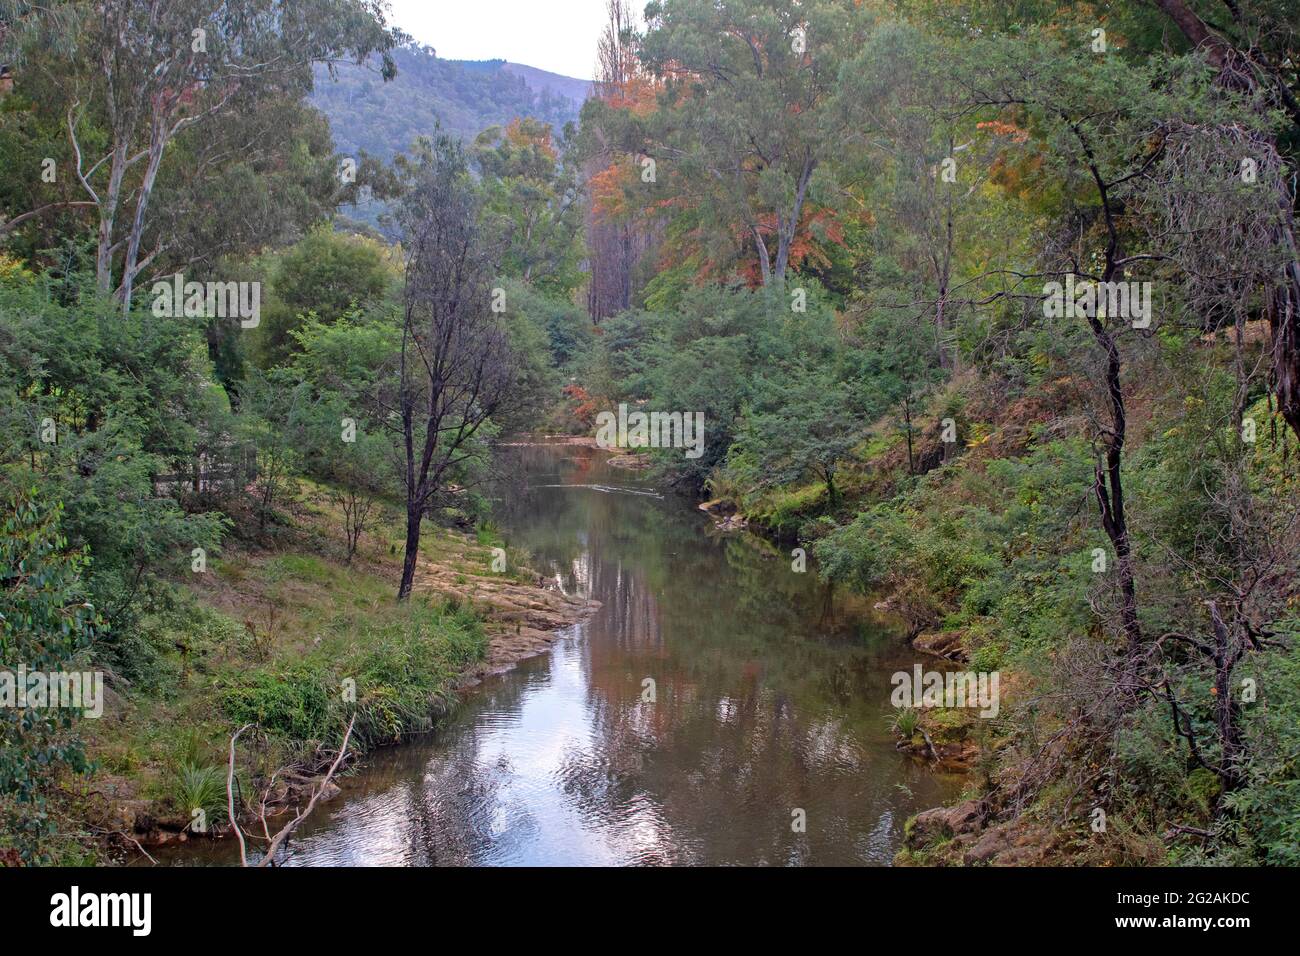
[914, 136]
[531, 186]
[749, 110]
[1096, 118]
[456, 366]
[619, 236]
[146, 72]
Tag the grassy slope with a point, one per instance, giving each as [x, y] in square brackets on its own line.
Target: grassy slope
[269, 633]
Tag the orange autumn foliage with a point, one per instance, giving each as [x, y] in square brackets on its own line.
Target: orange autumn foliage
[610, 189]
[636, 95]
[522, 134]
[998, 128]
[584, 407]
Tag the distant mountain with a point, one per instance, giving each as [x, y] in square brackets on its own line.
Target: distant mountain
[465, 96]
[540, 81]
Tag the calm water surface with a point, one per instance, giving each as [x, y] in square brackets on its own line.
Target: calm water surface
[772, 694]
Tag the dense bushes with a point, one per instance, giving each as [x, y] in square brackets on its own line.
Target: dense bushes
[46, 626]
[399, 673]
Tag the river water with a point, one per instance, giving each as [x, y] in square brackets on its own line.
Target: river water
[766, 741]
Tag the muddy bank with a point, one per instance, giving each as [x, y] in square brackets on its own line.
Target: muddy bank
[522, 619]
[623, 459]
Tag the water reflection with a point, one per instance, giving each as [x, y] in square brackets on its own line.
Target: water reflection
[771, 695]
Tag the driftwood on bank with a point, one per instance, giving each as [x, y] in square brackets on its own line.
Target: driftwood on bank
[274, 843]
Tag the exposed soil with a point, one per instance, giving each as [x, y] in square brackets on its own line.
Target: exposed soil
[523, 619]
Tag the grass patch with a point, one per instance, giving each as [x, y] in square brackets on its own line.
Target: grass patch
[292, 640]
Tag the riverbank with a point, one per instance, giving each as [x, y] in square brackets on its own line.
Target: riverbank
[282, 631]
[882, 479]
[716, 690]
[989, 548]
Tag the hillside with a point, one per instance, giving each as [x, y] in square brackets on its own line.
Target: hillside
[556, 83]
[465, 97]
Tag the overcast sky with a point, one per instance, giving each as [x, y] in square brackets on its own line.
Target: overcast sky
[555, 35]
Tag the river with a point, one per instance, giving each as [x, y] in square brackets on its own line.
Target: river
[720, 708]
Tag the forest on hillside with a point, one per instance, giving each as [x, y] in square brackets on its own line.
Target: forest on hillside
[382, 118]
[989, 312]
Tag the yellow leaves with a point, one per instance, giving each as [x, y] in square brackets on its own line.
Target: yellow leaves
[980, 434]
[12, 271]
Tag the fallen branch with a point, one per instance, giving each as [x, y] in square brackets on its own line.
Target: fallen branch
[230, 797]
[276, 842]
[287, 831]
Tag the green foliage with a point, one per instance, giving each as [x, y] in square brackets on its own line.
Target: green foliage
[750, 109]
[46, 625]
[995, 553]
[906, 722]
[175, 637]
[200, 788]
[403, 671]
[294, 701]
[96, 105]
[126, 403]
[530, 189]
[700, 357]
[1266, 811]
[854, 210]
[324, 277]
[800, 422]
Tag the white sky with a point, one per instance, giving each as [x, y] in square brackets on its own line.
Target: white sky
[555, 35]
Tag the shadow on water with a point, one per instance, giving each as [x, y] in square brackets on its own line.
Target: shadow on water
[771, 695]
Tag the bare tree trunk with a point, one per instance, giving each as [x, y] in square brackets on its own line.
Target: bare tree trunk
[130, 265]
[1226, 709]
[282, 836]
[764, 260]
[907, 423]
[414, 515]
[107, 218]
[1109, 487]
[788, 228]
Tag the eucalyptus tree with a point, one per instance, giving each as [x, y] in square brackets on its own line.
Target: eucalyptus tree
[749, 111]
[144, 72]
[530, 183]
[915, 146]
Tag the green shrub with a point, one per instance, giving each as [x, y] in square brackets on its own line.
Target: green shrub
[403, 670]
[293, 702]
[200, 788]
[906, 722]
